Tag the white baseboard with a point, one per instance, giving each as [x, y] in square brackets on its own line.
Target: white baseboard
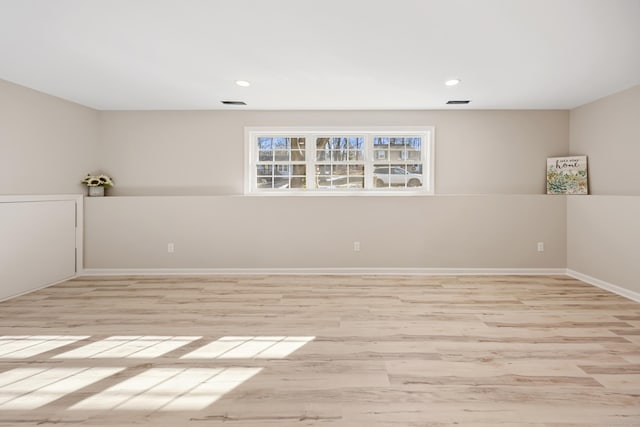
[604, 285]
[634, 296]
[320, 271]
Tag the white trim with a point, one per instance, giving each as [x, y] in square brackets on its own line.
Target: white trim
[79, 235]
[635, 296]
[90, 272]
[427, 160]
[39, 198]
[322, 271]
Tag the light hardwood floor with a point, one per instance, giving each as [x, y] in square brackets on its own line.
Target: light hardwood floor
[320, 351]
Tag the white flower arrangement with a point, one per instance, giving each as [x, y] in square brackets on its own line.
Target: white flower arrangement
[97, 181]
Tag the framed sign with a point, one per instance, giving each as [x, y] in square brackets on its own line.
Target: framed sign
[567, 175]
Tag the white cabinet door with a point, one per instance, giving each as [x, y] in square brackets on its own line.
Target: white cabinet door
[37, 244]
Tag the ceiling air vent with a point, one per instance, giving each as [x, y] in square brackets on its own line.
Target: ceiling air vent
[234, 103]
[458, 102]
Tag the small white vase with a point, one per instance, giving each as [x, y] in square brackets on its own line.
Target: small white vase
[96, 191]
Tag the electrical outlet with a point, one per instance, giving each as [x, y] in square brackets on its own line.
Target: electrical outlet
[170, 248]
[540, 246]
[356, 246]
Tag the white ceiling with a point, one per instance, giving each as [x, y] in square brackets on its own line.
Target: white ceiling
[322, 54]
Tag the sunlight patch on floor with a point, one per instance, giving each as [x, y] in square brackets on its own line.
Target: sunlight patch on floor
[169, 389]
[24, 346]
[135, 347]
[30, 388]
[249, 348]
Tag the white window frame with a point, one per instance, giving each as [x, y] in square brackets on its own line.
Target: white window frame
[427, 133]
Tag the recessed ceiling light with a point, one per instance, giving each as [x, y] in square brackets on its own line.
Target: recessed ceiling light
[452, 82]
[243, 83]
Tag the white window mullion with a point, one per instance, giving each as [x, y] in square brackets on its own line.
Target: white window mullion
[310, 159]
[368, 162]
[428, 162]
[253, 172]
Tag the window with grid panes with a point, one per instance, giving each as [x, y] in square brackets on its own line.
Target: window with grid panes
[280, 162]
[339, 161]
[398, 161]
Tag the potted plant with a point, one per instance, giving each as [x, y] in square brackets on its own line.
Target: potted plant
[97, 184]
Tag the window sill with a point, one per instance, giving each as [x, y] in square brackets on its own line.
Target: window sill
[309, 193]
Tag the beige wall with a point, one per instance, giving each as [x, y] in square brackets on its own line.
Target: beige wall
[481, 231]
[608, 132]
[47, 145]
[500, 154]
[603, 234]
[477, 152]
[603, 231]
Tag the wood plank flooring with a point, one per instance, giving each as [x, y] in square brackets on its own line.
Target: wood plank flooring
[328, 351]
